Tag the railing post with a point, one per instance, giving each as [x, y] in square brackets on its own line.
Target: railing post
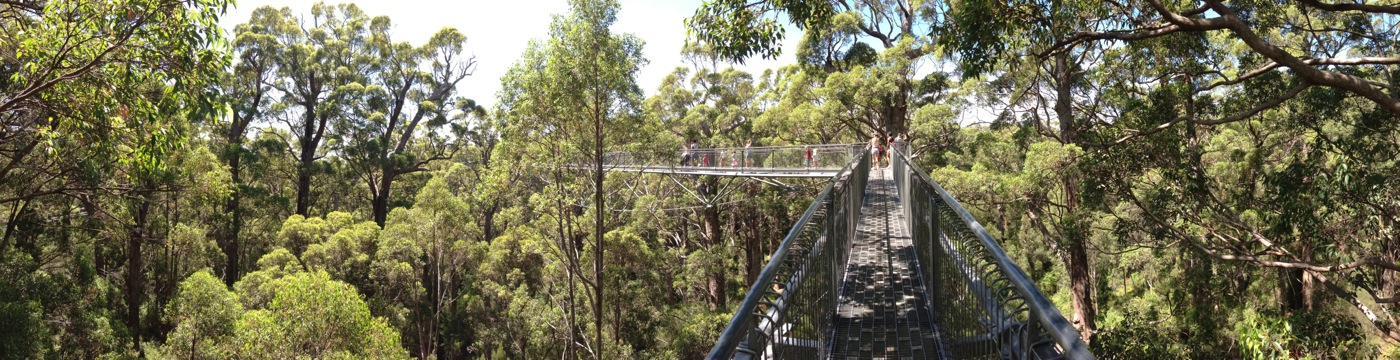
[934, 231]
[833, 260]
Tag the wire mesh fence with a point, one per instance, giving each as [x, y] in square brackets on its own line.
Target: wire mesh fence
[788, 311]
[983, 304]
[986, 307]
[825, 157]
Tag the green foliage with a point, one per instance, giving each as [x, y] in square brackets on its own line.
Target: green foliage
[299, 232]
[310, 315]
[1224, 206]
[345, 254]
[204, 313]
[739, 32]
[23, 334]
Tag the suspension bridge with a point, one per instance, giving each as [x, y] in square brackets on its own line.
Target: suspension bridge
[884, 264]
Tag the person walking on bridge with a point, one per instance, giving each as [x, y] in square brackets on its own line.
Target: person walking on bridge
[891, 145]
[894, 145]
[685, 154]
[694, 152]
[807, 156]
[875, 151]
[748, 154]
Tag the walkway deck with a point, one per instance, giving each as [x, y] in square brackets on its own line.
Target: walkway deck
[882, 312]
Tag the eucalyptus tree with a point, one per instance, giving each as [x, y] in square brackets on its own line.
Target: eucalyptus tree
[705, 102]
[75, 66]
[320, 62]
[1347, 46]
[96, 95]
[204, 313]
[247, 90]
[578, 91]
[308, 314]
[434, 243]
[833, 41]
[717, 108]
[795, 111]
[405, 115]
[1189, 73]
[1059, 92]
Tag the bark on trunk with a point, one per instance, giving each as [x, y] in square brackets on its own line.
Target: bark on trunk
[1080, 276]
[235, 224]
[304, 178]
[381, 197]
[753, 254]
[598, 228]
[713, 237]
[135, 279]
[488, 225]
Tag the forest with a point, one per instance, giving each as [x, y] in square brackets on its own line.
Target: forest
[1184, 179]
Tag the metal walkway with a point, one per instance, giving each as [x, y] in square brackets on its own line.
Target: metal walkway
[885, 264]
[882, 312]
[796, 161]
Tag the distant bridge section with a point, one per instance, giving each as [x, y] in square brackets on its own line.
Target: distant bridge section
[796, 161]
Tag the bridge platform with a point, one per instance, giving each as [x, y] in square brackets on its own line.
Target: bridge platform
[882, 311]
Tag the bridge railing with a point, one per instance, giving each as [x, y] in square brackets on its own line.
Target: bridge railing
[985, 305]
[825, 156]
[788, 311]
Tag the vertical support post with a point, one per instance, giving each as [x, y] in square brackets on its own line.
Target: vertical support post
[833, 259]
[934, 233]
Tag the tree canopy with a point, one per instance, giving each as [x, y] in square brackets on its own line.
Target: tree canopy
[1198, 179]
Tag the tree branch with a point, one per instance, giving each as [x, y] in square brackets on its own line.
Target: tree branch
[1385, 9]
[1353, 84]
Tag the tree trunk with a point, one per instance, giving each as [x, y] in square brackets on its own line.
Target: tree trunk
[598, 229]
[1201, 315]
[753, 255]
[135, 281]
[713, 235]
[1080, 276]
[1290, 290]
[233, 156]
[565, 241]
[381, 197]
[427, 307]
[570, 349]
[235, 224]
[304, 185]
[307, 157]
[1081, 288]
[488, 224]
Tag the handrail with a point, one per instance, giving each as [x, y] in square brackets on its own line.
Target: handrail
[812, 256]
[817, 156]
[994, 329]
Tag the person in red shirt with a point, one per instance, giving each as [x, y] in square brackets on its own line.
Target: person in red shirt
[807, 156]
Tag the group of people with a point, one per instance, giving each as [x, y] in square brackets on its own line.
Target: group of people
[880, 149]
[692, 155]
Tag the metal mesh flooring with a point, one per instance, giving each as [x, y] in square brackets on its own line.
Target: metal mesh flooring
[882, 312]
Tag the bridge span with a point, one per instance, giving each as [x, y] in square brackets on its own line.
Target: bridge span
[885, 264]
[793, 161]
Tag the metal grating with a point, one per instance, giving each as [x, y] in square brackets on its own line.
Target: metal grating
[883, 312]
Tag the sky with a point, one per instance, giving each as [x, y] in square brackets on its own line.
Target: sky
[498, 30]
